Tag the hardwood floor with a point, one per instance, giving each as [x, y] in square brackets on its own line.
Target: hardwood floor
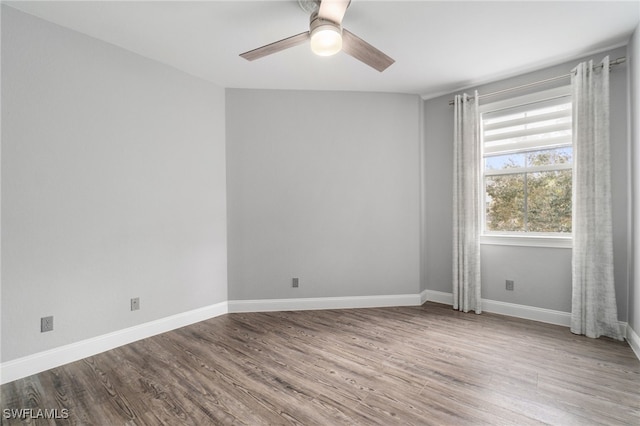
[384, 366]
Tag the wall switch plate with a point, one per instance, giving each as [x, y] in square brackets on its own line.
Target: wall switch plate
[135, 303]
[46, 324]
[509, 285]
[295, 283]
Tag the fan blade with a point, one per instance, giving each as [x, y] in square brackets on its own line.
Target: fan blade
[275, 46]
[363, 51]
[333, 10]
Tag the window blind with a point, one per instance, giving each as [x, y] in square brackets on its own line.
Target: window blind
[534, 126]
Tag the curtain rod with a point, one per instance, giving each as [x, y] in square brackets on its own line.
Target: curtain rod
[547, 80]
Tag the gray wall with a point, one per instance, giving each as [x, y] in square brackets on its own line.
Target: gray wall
[542, 275]
[633, 56]
[323, 186]
[113, 186]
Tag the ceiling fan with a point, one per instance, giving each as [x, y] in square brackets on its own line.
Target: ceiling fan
[327, 37]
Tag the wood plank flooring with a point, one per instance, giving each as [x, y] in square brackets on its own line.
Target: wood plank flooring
[385, 366]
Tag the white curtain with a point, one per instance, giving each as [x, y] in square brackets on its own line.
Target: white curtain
[593, 310]
[466, 205]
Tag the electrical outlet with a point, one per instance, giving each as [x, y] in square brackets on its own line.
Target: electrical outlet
[509, 285]
[135, 303]
[295, 283]
[46, 324]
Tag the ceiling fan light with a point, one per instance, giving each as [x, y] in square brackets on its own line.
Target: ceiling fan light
[326, 40]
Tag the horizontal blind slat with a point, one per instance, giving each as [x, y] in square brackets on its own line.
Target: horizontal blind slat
[531, 169]
[528, 132]
[566, 113]
[507, 147]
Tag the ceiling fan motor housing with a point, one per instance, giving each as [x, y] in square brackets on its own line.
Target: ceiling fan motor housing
[315, 21]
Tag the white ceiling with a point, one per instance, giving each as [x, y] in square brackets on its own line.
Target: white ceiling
[439, 46]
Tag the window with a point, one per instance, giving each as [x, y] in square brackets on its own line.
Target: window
[527, 165]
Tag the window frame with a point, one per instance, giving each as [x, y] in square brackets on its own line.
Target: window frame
[530, 239]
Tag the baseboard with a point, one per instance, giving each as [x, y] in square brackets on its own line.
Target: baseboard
[510, 309]
[303, 304]
[436, 296]
[527, 312]
[634, 340]
[36, 363]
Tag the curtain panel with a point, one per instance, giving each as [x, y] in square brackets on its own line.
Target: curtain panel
[593, 311]
[466, 205]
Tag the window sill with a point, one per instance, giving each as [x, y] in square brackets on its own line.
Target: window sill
[527, 241]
